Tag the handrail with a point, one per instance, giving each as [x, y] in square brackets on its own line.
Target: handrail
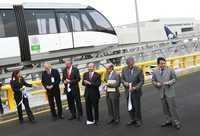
[182, 61]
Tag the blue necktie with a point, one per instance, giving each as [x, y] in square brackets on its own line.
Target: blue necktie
[162, 71]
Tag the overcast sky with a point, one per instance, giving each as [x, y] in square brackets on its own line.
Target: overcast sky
[121, 12]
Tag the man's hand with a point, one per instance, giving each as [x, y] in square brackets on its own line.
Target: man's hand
[87, 82]
[49, 87]
[107, 84]
[66, 81]
[166, 83]
[126, 84]
[35, 86]
[132, 89]
[158, 84]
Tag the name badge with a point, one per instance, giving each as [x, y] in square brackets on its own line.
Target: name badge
[52, 79]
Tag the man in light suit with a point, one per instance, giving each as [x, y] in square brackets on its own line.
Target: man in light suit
[112, 83]
[71, 78]
[133, 80]
[164, 79]
[92, 81]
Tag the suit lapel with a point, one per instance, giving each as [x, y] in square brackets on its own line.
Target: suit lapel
[71, 72]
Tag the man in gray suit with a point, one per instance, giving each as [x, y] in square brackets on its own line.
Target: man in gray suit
[164, 79]
[112, 83]
[133, 80]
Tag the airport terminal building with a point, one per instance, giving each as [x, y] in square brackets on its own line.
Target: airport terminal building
[153, 30]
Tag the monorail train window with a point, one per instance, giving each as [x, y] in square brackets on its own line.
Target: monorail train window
[63, 22]
[76, 22]
[40, 22]
[8, 27]
[100, 22]
[87, 26]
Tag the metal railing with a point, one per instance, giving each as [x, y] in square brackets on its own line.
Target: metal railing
[174, 62]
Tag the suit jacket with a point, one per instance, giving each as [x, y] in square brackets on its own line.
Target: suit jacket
[115, 77]
[74, 78]
[93, 89]
[169, 77]
[135, 77]
[16, 86]
[46, 79]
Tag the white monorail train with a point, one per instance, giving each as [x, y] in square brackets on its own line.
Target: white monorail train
[36, 28]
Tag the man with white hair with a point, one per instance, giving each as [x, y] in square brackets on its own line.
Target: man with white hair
[133, 80]
[51, 81]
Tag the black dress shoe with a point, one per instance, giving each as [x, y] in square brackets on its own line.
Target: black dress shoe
[130, 123]
[21, 122]
[1, 111]
[54, 118]
[138, 124]
[166, 124]
[95, 123]
[177, 126]
[110, 122]
[72, 118]
[32, 120]
[61, 117]
[117, 121]
[78, 118]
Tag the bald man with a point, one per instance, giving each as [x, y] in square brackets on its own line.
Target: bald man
[92, 81]
[112, 83]
[50, 81]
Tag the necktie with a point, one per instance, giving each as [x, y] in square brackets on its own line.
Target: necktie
[68, 73]
[131, 71]
[90, 75]
[162, 71]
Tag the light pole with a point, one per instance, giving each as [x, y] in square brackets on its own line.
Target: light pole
[138, 22]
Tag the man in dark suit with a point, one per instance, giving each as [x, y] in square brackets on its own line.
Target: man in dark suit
[92, 81]
[71, 78]
[51, 81]
[133, 80]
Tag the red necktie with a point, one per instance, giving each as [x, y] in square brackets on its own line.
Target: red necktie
[68, 73]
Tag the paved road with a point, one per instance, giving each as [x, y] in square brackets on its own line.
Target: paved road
[188, 99]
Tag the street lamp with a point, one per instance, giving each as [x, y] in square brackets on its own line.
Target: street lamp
[138, 22]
